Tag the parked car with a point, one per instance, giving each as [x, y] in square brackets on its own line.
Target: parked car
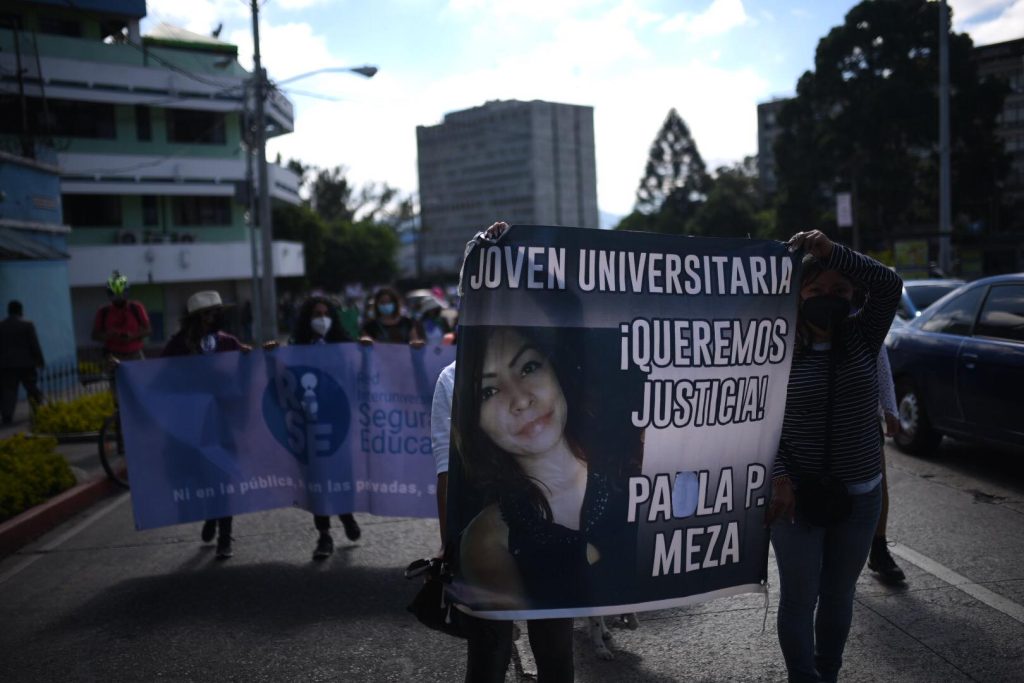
[920, 294]
[959, 367]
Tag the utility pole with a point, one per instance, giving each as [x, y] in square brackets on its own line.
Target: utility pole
[945, 201]
[256, 301]
[268, 295]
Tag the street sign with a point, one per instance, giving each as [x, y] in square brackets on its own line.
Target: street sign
[844, 210]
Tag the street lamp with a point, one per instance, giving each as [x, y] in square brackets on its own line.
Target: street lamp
[365, 70]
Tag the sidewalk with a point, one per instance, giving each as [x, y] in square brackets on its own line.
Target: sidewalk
[92, 485]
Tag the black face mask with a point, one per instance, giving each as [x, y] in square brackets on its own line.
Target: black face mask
[826, 312]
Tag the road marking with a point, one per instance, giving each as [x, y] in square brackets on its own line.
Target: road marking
[978, 592]
[526, 661]
[67, 535]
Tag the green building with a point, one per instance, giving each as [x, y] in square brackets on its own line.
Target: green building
[148, 134]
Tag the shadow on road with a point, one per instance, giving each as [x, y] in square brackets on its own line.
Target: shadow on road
[1000, 467]
[269, 596]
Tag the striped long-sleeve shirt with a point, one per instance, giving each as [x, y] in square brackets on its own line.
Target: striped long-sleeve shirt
[855, 436]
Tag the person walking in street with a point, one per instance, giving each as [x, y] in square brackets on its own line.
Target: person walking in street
[388, 325]
[826, 494]
[879, 559]
[489, 646]
[122, 325]
[318, 322]
[20, 356]
[201, 333]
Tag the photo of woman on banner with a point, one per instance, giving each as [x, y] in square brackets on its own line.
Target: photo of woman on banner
[549, 466]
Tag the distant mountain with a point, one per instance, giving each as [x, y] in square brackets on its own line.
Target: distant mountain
[607, 221]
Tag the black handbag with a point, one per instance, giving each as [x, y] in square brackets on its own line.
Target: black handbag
[431, 606]
[822, 499]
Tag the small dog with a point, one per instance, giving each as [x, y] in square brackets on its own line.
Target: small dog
[599, 632]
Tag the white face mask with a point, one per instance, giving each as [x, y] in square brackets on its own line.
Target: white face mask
[320, 325]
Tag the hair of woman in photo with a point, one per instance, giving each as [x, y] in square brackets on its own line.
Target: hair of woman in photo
[488, 466]
[303, 332]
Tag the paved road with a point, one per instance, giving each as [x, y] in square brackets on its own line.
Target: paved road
[96, 600]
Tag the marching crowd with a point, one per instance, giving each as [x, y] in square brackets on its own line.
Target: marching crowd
[828, 506]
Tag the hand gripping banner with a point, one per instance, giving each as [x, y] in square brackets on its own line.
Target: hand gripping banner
[328, 428]
[618, 404]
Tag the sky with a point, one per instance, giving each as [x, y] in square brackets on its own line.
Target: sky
[632, 60]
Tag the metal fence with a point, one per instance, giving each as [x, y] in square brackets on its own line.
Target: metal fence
[68, 381]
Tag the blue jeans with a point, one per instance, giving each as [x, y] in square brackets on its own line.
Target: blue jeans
[819, 566]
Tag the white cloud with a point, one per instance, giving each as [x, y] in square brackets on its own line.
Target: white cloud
[1005, 19]
[966, 10]
[533, 10]
[298, 4]
[597, 57]
[720, 17]
[374, 131]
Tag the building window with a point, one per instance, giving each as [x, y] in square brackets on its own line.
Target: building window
[202, 211]
[61, 118]
[190, 126]
[60, 27]
[92, 210]
[150, 211]
[143, 126]
[82, 119]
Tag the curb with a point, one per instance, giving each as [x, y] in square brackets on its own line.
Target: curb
[22, 529]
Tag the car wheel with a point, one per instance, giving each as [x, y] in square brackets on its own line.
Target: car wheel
[916, 436]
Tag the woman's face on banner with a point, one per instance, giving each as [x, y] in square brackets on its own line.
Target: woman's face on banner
[522, 407]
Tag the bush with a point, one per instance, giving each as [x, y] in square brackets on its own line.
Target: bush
[83, 414]
[31, 471]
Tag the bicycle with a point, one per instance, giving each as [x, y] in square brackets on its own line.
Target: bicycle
[111, 450]
[111, 439]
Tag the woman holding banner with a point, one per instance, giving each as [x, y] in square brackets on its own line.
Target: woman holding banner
[825, 488]
[388, 325]
[201, 333]
[319, 323]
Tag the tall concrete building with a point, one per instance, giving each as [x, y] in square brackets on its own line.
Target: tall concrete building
[522, 162]
[767, 131]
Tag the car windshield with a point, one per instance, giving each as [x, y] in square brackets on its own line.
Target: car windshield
[924, 296]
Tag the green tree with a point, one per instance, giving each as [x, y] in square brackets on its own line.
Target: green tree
[331, 194]
[866, 120]
[358, 252]
[674, 183]
[302, 224]
[733, 206]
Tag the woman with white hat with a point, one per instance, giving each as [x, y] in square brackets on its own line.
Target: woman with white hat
[201, 333]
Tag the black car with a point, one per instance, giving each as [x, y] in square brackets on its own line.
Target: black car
[959, 367]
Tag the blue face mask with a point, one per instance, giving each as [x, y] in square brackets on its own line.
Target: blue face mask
[386, 309]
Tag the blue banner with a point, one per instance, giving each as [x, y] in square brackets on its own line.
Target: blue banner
[329, 428]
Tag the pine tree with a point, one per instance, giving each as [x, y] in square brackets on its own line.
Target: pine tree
[674, 169]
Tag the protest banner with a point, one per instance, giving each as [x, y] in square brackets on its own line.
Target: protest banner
[618, 405]
[329, 428]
